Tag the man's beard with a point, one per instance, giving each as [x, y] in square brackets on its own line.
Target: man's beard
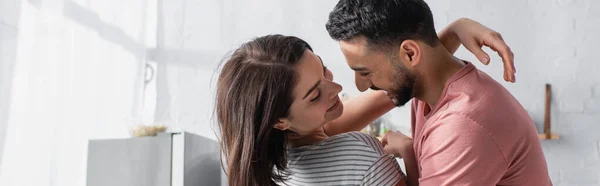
[402, 89]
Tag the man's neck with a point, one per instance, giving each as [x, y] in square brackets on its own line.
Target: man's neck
[443, 66]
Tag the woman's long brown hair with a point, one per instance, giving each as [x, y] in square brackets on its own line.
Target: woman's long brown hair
[254, 91]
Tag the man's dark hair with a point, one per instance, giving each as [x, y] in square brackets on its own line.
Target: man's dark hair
[384, 23]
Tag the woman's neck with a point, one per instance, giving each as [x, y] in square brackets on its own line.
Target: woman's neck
[312, 138]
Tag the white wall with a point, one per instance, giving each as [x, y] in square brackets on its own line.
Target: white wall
[73, 72]
[9, 16]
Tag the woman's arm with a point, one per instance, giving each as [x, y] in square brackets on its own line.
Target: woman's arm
[473, 35]
[359, 112]
[448, 38]
[367, 107]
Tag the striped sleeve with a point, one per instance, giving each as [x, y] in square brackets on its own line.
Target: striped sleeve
[369, 141]
[385, 169]
[385, 172]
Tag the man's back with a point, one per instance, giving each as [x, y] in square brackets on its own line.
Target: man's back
[478, 134]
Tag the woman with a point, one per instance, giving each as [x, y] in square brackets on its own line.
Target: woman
[278, 126]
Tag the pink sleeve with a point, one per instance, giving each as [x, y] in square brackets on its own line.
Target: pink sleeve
[457, 151]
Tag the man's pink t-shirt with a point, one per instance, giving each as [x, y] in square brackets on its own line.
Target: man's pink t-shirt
[478, 134]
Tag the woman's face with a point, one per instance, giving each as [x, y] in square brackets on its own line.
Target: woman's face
[316, 100]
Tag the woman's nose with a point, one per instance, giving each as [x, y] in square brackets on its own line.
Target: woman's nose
[335, 90]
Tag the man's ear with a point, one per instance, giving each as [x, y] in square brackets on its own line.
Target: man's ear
[410, 53]
[283, 124]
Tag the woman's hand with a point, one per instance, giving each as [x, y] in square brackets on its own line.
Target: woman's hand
[474, 36]
[397, 144]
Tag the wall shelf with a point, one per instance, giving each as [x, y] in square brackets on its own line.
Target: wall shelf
[552, 137]
[548, 135]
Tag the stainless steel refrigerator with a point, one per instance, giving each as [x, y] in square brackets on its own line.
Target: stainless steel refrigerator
[168, 159]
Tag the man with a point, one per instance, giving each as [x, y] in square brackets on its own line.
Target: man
[467, 128]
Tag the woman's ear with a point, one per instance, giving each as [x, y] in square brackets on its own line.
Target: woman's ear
[410, 52]
[283, 124]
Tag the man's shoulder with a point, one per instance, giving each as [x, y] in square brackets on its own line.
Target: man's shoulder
[454, 120]
[476, 83]
[478, 97]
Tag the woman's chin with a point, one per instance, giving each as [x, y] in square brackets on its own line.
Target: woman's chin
[335, 112]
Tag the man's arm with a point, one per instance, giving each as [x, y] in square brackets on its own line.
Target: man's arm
[459, 152]
[400, 145]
